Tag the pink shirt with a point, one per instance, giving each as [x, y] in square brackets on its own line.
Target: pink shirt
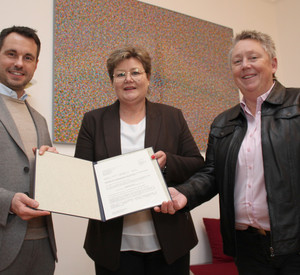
[250, 196]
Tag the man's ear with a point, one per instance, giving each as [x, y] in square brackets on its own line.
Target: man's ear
[274, 65]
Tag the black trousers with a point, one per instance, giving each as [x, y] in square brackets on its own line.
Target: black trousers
[254, 256]
[153, 263]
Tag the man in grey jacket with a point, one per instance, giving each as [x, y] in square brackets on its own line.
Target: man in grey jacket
[252, 162]
[27, 244]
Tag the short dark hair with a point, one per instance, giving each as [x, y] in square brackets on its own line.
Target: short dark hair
[126, 52]
[24, 31]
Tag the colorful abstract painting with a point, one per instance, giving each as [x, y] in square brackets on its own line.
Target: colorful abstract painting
[190, 67]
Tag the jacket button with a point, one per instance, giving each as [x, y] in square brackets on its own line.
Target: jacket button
[26, 169]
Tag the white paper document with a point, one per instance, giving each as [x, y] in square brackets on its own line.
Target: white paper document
[103, 190]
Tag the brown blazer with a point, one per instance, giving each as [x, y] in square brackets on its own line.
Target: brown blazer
[166, 130]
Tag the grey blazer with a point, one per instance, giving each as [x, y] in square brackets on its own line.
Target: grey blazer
[16, 175]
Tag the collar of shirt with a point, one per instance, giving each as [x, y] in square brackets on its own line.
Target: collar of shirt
[4, 90]
[259, 101]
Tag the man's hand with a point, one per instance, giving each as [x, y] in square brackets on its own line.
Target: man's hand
[170, 207]
[21, 205]
[45, 148]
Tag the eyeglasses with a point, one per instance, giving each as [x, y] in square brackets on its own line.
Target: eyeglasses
[135, 74]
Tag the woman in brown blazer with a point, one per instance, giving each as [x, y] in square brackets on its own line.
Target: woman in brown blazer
[145, 242]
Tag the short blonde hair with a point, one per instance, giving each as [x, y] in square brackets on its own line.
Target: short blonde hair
[265, 40]
[127, 52]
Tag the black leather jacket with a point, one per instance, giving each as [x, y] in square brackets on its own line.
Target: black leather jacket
[280, 137]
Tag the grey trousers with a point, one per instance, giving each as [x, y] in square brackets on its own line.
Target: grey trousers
[34, 258]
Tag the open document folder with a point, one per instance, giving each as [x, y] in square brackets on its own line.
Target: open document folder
[102, 190]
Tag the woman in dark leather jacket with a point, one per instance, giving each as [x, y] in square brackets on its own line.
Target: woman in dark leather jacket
[252, 162]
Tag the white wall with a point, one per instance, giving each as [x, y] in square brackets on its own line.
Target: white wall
[288, 27]
[279, 18]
